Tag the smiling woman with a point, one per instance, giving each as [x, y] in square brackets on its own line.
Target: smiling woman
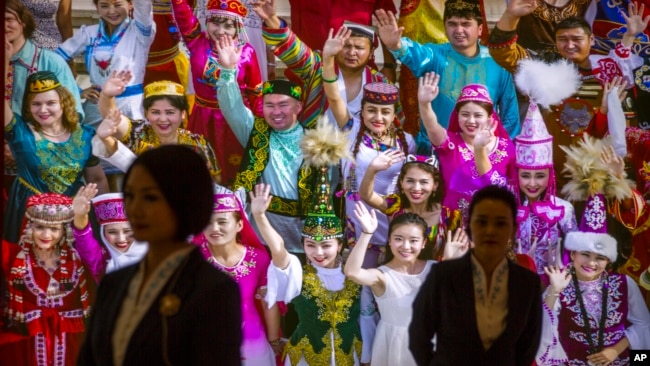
[51, 148]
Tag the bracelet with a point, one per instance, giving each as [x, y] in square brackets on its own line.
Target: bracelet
[366, 232]
[276, 342]
[390, 65]
[336, 78]
[553, 294]
[270, 64]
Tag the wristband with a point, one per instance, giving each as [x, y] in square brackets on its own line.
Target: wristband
[336, 78]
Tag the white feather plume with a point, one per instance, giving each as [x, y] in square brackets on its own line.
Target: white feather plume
[547, 84]
[325, 144]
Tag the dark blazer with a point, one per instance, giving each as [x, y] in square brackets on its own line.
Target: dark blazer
[206, 330]
[444, 307]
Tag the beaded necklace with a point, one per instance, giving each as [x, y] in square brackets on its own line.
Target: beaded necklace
[585, 316]
[104, 63]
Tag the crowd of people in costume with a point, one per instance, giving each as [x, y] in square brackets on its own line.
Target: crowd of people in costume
[478, 197]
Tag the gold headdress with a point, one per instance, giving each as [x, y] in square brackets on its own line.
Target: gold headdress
[163, 88]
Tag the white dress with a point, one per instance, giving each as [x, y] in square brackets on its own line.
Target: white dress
[391, 344]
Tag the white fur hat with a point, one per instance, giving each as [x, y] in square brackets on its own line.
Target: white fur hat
[601, 243]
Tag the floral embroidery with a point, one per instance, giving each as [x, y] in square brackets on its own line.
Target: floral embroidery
[242, 269]
[64, 161]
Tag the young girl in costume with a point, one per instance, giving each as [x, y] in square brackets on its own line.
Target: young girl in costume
[165, 110]
[475, 151]
[119, 248]
[328, 304]
[230, 244]
[592, 316]
[543, 217]
[224, 18]
[375, 130]
[393, 284]
[48, 298]
[118, 42]
[420, 191]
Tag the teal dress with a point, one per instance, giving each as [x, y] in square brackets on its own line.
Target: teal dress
[43, 166]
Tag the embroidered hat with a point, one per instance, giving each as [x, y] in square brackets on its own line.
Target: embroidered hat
[42, 81]
[230, 202]
[163, 88]
[227, 8]
[475, 93]
[109, 208]
[429, 160]
[283, 87]
[322, 147]
[462, 6]
[231, 9]
[49, 208]
[534, 145]
[360, 30]
[380, 93]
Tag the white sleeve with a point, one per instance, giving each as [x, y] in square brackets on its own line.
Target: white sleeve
[638, 333]
[76, 45]
[143, 17]
[550, 351]
[121, 159]
[284, 284]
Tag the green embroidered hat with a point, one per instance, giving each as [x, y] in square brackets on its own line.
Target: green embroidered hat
[283, 87]
[322, 147]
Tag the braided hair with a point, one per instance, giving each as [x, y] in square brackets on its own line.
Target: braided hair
[395, 128]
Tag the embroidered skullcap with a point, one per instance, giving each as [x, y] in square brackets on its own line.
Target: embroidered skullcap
[283, 87]
[225, 202]
[49, 208]
[462, 6]
[360, 30]
[534, 145]
[380, 93]
[229, 202]
[109, 208]
[226, 8]
[474, 93]
[592, 232]
[42, 81]
[163, 88]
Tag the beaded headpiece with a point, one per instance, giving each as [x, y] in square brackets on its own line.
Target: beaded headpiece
[322, 147]
[380, 93]
[429, 160]
[283, 87]
[49, 208]
[163, 88]
[42, 81]
[109, 208]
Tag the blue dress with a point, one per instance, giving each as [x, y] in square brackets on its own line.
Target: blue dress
[43, 166]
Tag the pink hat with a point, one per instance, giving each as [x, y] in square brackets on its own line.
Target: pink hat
[109, 208]
[534, 145]
[229, 202]
[592, 233]
[476, 93]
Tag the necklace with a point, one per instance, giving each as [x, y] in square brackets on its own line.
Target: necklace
[102, 54]
[585, 317]
[54, 134]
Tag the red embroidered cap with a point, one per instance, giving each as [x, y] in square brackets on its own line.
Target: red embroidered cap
[380, 93]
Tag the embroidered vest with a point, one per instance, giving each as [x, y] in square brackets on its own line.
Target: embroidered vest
[571, 327]
[254, 161]
[320, 312]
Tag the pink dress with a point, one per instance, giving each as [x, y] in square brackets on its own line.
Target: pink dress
[250, 275]
[206, 118]
[459, 170]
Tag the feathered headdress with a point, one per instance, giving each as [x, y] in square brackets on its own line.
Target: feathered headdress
[322, 147]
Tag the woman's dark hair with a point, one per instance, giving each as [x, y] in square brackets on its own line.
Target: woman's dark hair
[489, 108]
[409, 218]
[24, 16]
[436, 197]
[177, 101]
[185, 182]
[496, 193]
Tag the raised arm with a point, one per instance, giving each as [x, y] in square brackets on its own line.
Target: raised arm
[332, 47]
[428, 90]
[367, 277]
[381, 162]
[267, 10]
[81, 205]
[482, 140]
[64, 19]
[260, 200]
[515, 9]
[112, 128]
[114, 86]
[389, 32]
[634, 22]
[239, 118]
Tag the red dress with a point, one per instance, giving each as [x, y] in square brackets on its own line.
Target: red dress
[45, 312]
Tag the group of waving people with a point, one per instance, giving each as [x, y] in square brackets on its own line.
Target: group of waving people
[245, 201]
